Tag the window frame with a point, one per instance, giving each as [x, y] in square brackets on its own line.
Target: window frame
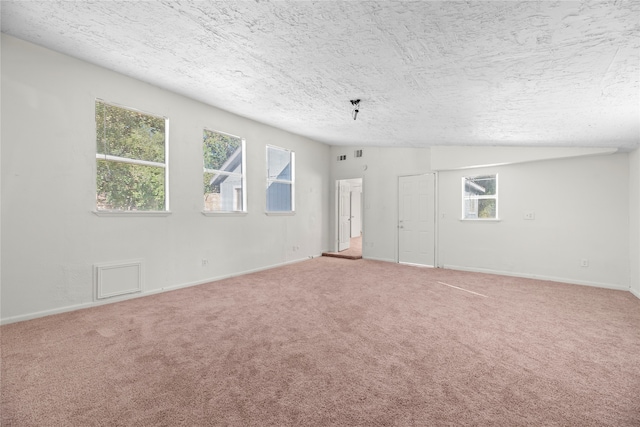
[478, 197]
[243, 176]
[291, 182]
[127, 160]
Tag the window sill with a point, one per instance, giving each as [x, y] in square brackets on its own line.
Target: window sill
[290, 213]
[131, 213]
[223, 213]
[481, 219]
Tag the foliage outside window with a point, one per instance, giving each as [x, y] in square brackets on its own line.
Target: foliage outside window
[280, 179]
[131, 154]
[480, 197]
[223, 178]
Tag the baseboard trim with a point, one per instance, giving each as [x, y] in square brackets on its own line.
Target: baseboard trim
[97, 303]
[226, 276]
[538, 277]
[377, 259]
[416, 265]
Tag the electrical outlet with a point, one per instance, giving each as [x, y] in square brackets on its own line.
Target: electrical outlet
[205, 262]
[530, 215]
[584, 262]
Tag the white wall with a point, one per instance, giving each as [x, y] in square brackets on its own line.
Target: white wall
[580, 199]
[50, 238]
[379, 168]
[581, 212]
[585, 207]
[634, 220]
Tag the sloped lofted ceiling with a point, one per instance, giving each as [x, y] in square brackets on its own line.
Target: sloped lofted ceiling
[534, 73]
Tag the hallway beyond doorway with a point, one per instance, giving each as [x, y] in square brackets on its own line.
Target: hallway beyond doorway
[354, 251]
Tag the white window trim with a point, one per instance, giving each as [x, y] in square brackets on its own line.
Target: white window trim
[292, 157]
[492, 197]
[243, 177]
[224, 213]
[279, 213]
[106, 212]
[165, 165]
[128, 160]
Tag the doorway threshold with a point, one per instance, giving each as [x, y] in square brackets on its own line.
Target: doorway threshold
[354, 251]
[341, 255]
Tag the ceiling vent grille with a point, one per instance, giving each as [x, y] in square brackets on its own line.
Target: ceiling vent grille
[357, 153]
[342, 157]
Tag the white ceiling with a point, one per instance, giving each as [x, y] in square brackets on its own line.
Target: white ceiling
[535, 73]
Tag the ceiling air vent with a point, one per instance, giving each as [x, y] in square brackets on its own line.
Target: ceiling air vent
[357, 153]
[342, 157]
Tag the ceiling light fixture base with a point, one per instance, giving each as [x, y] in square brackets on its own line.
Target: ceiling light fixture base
[356, 108]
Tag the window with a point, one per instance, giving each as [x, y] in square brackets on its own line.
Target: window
[131, 157]
[224, 176]
[480, 197]
[280, 179]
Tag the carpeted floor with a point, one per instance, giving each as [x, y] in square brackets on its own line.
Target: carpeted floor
[333, 342]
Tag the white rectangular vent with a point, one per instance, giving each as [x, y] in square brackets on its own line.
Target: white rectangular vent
[342, 157]
[357, 153]
[118, 278]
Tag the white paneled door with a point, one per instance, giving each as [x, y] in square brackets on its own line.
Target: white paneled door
[344, 215]
[356, 213]
[416, 219]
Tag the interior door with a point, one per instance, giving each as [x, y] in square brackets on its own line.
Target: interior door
[356, 214]
[344, 215]
[416, 220]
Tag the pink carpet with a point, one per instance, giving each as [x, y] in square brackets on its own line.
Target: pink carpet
[332, 342]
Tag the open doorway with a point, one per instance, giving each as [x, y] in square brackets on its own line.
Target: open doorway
[349, 219]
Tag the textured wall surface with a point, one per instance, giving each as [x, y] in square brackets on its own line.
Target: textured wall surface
[428, 73]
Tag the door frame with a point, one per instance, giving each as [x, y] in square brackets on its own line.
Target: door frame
[344, 215]
[335, 233]
[436, 217]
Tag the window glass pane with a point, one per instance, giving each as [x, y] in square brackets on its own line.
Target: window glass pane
[222, 192]
[486, 208]
[279, 197]
[222, 152]
[480, 197]
[130, 134]
[471, 208]
[129, 187]
[278, 164]
[480, 186]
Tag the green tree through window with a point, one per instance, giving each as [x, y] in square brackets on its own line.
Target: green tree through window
[131, 159]
[480, 197]
[223, 177]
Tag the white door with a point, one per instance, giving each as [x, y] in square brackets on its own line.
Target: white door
[416, 220]
[356, 222]
[344, 215]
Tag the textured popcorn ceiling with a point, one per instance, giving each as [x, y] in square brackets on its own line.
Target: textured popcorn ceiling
[428, 73]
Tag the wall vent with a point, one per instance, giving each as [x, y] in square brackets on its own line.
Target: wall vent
[118, 278]
[342, 157]
[357, 153]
